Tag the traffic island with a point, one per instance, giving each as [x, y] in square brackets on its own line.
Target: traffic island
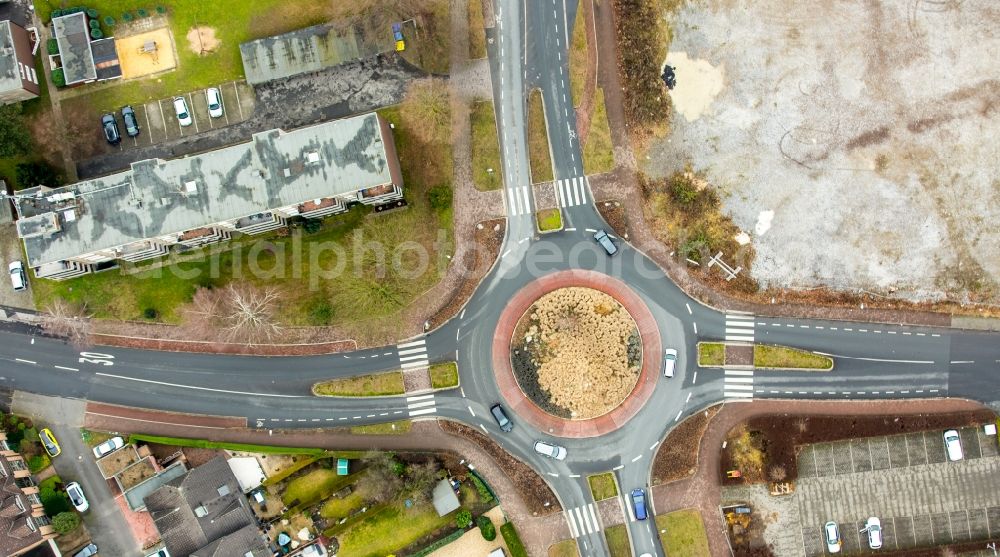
[642, 366]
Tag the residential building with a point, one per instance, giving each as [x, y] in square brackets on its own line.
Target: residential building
[204, 514]
[23, 523]
[84, 60]
[18, 78]
[248, 188]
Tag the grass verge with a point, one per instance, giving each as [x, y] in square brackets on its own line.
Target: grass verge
[514, 543]
[711, 354]
[598, 153]
[618, 543]
[398, 427]
[444, 375]
[602, 486]
[565, 548]
[375, 384]
[94, 438]
[477, 33]
[485, 146]
[549, 220]
[768, 356]
[682, 534]
[246, 447]
[578, 57]
[538, 140]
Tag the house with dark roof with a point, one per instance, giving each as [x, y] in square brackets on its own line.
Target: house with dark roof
[18, 78]
[23, 523]
[205, 514]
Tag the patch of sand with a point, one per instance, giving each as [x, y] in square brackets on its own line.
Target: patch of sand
[698, 83]
[201, 40]
[135, 62]
[472, 543]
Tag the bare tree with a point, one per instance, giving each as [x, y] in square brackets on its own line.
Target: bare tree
[420, 480]
[237, 313]
[69, 320]
[383, 477]
[426, 110]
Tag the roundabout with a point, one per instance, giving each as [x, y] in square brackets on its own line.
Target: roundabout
[587, 352]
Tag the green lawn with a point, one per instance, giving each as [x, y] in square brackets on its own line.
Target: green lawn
[340, 507]
[389, 428]
[565, 548]
[376, 384]
[768, 356]
[618, 542]
[485, 146]
[549, 220]
[538, 140]
[444, 375]
[315, 485]
[602, 486]
[332, 277]
[598, 154]
[711, 354]
[578, 57]
[682, 533]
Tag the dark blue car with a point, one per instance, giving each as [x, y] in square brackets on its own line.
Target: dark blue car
[639, 503]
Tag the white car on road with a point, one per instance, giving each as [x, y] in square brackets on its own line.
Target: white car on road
[550, 450]
[76, 496]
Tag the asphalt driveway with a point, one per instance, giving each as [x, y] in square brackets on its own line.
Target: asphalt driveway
[104, 520]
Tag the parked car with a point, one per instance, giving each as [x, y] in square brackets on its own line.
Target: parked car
[109, 446]
[88, 551]
[502, 420]
[110, 126]
[49, 442]
[953, 445]
[639, 503]
[550, 450]
[832, 534]
[76, 496]
[214, 98]
[131, 124]
[181, 110]
[874, 528]
[605, 241]
[669, 361]
[17, 277]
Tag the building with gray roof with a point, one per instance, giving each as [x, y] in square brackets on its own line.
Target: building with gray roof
[246, 188]
[308, 50]
[73, 37]
[18, 78]
[204, 514]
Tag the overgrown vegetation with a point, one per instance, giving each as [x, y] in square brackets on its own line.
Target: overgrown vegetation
[769, 356]
[477, 32]
[578, 56]
[618, 543]
[444, 375]
[711, 354]
[246, 447]
[486, 172]
[642, 46]
[746, 450]
[539, 156]
[65, 522]
[682, 533]
[598, 151]
[513, 540]
[602, 486]
[684, 212]
[375, 384]
[549, 220]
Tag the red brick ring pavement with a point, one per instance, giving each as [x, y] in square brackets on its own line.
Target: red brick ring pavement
[652, 355]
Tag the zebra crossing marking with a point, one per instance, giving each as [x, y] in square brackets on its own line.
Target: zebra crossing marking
[738, 383]
[572, 191]
[518, 200]
[421, 405]
[739, 327]
[582, 520]
[413, 354]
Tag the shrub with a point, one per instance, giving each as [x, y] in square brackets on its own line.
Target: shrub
[463, 519]
[640, 49]
[312, 226]
[150, 313]
[94, 24]
[96, 34]
[141, 13]
[440, 197]
[53, 501]
[320, 312]
[92, 13]
[127, 17]
[109, 21]
[56, 13]
[161, 10]
[513, 540]
[38, 463]
[65, 522]
[31, 174]
[13, 420]
[21, 426]
[484, 492]
[52, 46]
[486, 528]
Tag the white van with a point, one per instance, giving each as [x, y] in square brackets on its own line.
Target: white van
[953, 445]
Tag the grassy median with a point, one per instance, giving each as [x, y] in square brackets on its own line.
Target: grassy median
[768, 356]
[375, 384]
[711, 354]
[578, 57]
[538, 140]
[598, 153]
[485, 147]
[549, 220]
[603, 486]
[618, 543]
[444, 375]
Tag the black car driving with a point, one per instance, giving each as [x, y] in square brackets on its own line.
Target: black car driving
[110, 129]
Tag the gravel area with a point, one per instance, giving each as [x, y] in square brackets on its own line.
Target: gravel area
[10, 250]
[822, 127]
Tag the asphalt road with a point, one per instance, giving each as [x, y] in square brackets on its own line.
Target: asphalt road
[528, 49]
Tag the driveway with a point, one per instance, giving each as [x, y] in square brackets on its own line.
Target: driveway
[65, 418]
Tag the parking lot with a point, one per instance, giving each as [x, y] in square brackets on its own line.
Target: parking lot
[905, 480]
[158, 122]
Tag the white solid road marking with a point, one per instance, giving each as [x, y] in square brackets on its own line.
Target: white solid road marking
[192, 387]
[66, 368]
[25, 361]
[484, 429]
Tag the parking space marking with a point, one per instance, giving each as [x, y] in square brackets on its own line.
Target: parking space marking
[239, 103]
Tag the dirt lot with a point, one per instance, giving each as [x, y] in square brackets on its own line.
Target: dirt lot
[779, 436]
[854, 126]
[677, 456]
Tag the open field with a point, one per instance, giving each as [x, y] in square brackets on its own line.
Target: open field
[834, 149]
